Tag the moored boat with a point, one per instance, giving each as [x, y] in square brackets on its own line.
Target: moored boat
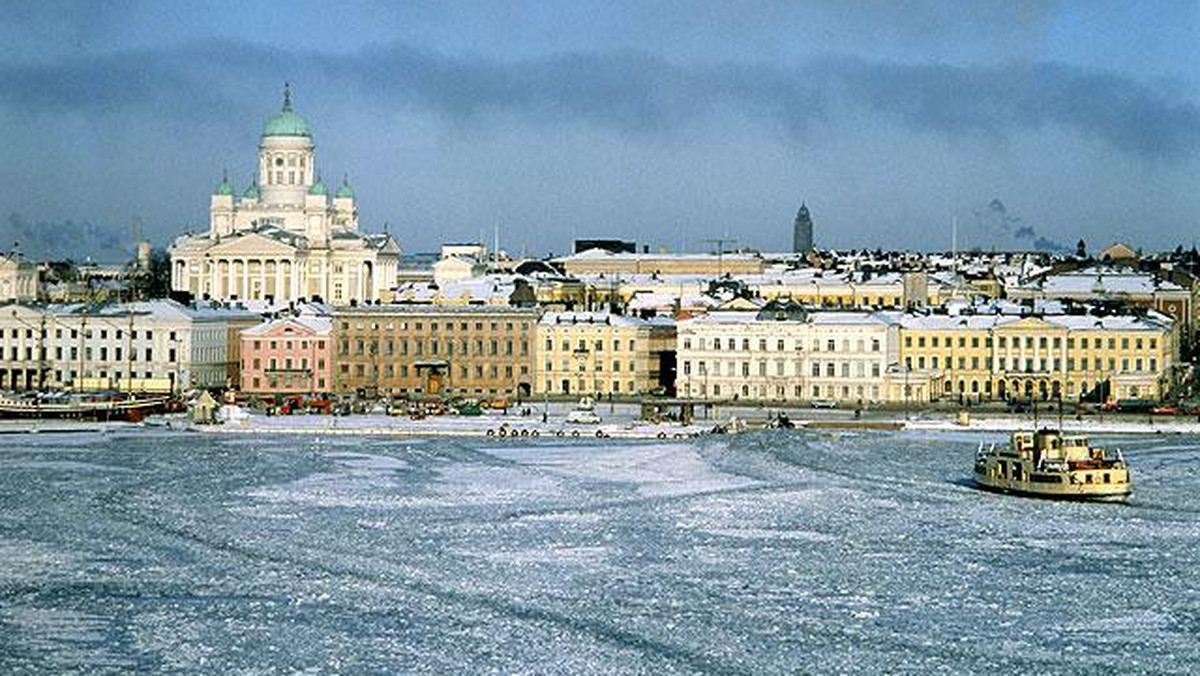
[122, 410]
[1048, 464]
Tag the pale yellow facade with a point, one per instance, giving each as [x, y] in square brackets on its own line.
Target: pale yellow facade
[601, 354]
[982, 358]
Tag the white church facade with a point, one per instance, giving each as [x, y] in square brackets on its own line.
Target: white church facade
[285, 237]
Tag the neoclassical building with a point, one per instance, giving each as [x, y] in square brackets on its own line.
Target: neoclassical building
[286, 236]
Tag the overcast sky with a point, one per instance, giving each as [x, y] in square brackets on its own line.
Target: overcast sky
[1031, 123]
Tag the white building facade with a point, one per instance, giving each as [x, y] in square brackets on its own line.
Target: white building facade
[18, 279]
[784, 354]
[152, 346]
[286, 236]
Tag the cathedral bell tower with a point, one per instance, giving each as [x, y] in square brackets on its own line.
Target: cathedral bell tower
[285, 157]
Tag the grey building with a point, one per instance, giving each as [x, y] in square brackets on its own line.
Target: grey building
[802, 231]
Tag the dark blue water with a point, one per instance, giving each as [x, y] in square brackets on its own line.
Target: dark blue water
[767, 553]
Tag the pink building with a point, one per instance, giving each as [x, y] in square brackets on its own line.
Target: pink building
[289, 355]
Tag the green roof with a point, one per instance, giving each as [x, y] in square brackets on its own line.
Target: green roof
[345, 190]
[224, 187]
[286, 122]
[318, 187]
[251, 190]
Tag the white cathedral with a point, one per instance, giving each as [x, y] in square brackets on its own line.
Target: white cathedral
[285, 238]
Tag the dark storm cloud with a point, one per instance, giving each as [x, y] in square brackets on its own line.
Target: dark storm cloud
[998, 100]
[64, 239]
[628, 91]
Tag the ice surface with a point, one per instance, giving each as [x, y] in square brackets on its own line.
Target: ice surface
[765, 553]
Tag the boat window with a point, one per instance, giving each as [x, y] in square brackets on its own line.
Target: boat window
[1106, 478]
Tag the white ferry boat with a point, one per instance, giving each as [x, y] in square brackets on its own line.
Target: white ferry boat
[1049, 464]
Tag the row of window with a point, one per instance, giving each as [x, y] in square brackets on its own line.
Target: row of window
[1043, 364]
[287, 362]
[404, 371]
[292, 159]
[830, 369]
[598, 387]
[582, 345]
[115, 354]
[401, 347]
[597, 366]
[288, 344]
[288, 383]
[764, 344]
[434, 326]
[118, 334]
[845, 392]
[1028, 342]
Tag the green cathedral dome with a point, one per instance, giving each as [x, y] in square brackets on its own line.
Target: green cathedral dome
[224, 187]
[286, 122]
[318, 187]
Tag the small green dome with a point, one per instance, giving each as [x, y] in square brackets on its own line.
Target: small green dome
[224, 187]
[251, 191]
[345, 190]
[286, 122]
[318, 187]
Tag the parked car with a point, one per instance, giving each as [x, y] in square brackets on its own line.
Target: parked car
[1017, 406]
[824, 403]
[583, 417]
[468, 407]
[1166, 410]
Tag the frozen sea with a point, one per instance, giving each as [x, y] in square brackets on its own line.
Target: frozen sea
[146, 551]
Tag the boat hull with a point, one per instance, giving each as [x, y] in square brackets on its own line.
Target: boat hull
[1074, 492]
[107, 411]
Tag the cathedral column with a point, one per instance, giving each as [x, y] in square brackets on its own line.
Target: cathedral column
[278, 280]
[262, 279]
[229, 279]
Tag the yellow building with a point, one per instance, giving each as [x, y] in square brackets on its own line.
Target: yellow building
[598, 353]
[1001, 357]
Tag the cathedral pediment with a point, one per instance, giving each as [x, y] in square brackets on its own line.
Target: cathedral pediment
[385, 243]
[253, 244]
